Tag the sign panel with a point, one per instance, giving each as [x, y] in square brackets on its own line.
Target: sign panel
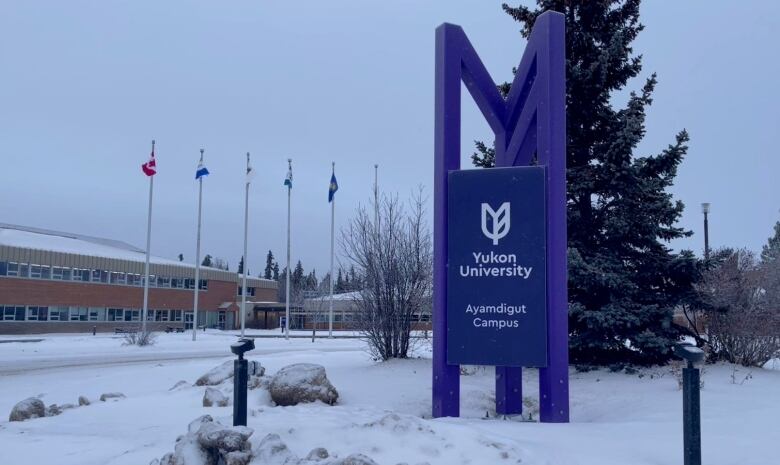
[496, 269]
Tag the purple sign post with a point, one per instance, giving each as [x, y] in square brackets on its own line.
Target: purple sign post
[530, 129]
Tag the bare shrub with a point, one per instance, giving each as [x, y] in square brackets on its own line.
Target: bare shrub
[140, 338]
[391, 249]
[742, 313]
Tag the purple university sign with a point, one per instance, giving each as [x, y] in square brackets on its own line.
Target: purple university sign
[530, 129]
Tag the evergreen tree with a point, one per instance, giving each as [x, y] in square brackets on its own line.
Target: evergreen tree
[624, 281]
[297, 278]
[276, 271]
[206, 261]
[241, 265]
[282, 284]
[338, 287]
[269, 265]
[181, 257]
[771, 250]
[311, 282]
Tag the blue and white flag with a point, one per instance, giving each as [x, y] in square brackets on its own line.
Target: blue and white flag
[250, 173]
[334, 186]
[288, 178]
[201, 170]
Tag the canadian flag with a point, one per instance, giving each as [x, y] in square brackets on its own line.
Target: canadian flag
[150, 167]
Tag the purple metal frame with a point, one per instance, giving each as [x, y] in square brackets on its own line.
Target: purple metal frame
[532, 120]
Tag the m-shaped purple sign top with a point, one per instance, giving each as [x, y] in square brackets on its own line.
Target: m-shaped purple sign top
[530, 129]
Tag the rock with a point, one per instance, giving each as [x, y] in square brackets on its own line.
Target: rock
[354, 459]
[227, 439]
[238, 458]
[31, 407]
[196, 423]
[210, 443]
[178, 385]
[318, 453]
[83, 401]
[256, 382]
[302, 382]
[111, 395]
[221, 373]
[214, 398]
[53, 410]
[272, 450]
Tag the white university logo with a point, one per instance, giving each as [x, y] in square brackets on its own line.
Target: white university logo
[499, 219]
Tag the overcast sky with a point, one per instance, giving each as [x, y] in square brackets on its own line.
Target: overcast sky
[86, 85]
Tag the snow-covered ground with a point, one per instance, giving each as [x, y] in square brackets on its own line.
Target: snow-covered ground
[383, 409]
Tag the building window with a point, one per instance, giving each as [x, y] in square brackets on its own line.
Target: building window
[13, 313]
[133, 279]
[118, 278]
[43, 313]
[3, 268]
[132, 315]
[97, 314]
[58, 314]
[176, 315]
[163, 281]
[99, 276]
[24, 270]
[60, 273]
[13, 269]
[116, 314]
[250, 291]
[204, 285]
[35, 271]
[39, 272]
[78, 313]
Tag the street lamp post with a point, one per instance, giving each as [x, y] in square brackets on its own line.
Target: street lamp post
[705, 208]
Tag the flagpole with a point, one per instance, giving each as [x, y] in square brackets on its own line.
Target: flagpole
[246, 232]
[332, 223]
[287, 286]
[148, 246]
[376, 195]
[197, 256]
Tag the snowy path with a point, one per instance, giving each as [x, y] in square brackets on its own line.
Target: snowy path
[35, 363]
[383, 409]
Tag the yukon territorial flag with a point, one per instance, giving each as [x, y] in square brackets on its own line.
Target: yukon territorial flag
[288, 178]
[201, 170]
[334, 186]
[150, 167]
[250, 173]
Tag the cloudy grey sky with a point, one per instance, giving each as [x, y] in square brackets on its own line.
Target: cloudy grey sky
[85, 86]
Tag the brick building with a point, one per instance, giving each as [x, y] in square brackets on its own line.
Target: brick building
[52, 281]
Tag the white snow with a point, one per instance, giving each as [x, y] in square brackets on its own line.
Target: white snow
[383, 410]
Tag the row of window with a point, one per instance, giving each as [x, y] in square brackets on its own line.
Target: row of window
[64, 313]
[60, 273]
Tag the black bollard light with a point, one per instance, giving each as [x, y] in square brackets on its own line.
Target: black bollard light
[691, 403]
[240, 378]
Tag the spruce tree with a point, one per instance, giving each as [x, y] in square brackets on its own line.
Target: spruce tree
[624, 280]
[771, 250]
[297, 278]
[269, 265]
[241, 265]
[276, 271]
[338, 287]
[206, 261]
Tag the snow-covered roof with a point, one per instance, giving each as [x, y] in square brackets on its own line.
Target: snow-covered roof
[343, 296]
[56, 241]
[12, 235]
